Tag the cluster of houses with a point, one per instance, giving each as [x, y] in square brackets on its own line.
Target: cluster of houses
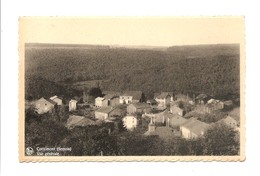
[165, 112]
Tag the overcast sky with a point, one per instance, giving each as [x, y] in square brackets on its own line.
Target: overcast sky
[132, 31]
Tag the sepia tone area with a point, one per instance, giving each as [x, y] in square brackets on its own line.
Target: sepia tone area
[132, 89]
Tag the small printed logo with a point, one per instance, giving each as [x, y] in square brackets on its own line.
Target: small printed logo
[29, 151]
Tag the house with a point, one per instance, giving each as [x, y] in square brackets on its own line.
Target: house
[193, 128]
[99, 102]
[228, 103]
[175, 109]
[158, 118]
[105, 112]
[57, 99]
[138, 108]
[202, 99]
[73, 105]
[44, 105]
[214, 105]
[111, 100]
[184, 98]
[229, 121]
[131, 97]
[174, 120]
[130, 122]
[163, 132]
[75, 121]
[164, 99]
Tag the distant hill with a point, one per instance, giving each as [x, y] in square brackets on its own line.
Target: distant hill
[210, 69]
[195, 51]
[65, 46]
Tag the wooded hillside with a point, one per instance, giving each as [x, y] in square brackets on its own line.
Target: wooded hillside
[210, 69]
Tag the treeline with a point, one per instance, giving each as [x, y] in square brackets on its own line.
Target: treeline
[49, 131]
[185, 69]
[37, 87]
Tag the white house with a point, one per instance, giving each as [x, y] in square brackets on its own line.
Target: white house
[73, 105]
[130, 122]
[130, 97]
[44, 105]
[99, 101]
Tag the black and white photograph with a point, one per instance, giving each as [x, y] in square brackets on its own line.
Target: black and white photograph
[130, 89]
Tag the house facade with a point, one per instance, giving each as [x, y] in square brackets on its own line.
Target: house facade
[130, 122]
[44, 105]
[138, 108]
[103, 113]
[193, 128]
[111, 100]
[130, 97]
[99, 102]
[57, 99]
[73, 105]
[163, 99]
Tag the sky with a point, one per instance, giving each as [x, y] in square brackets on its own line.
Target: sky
[150, 31]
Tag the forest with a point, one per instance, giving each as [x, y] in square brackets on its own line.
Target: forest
[209, 69]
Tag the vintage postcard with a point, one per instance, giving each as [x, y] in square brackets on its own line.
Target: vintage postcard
[131, 89]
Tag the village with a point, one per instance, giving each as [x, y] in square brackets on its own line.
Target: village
[168, 115]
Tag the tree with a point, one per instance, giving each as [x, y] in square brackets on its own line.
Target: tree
[94, 93]
[221, 140]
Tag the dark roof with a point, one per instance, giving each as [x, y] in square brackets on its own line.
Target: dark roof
[110, 96]
[163, 95]
[141, 105]
[195, 126]
[106, 92]
[201, 96]
[51, 101]
[137, 95]
[105, 109]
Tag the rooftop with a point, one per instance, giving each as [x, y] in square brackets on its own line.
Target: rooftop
[137, 95]
[175, 119]
[163, 132]
[195, 125]
[110, 96]
[75, 120]
[48, 100]
[105, 110]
